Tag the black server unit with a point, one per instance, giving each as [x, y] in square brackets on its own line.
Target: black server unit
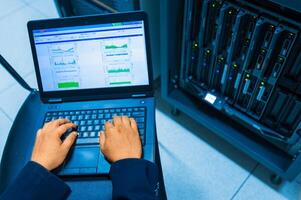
[243, 59]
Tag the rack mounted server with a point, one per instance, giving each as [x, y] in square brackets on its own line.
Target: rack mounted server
[244, 62]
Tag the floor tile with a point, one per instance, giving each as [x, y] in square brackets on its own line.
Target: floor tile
[192, 168]
[5, 125]
[12, 99]
[15, 46]
[6, 79]
[47, 7]
[31, 80]
[259, 187]
[8, 6]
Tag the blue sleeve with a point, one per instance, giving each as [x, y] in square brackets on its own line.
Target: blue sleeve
[34, 182]
[134, 179]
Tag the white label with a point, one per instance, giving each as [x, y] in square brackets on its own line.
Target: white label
[210, 98]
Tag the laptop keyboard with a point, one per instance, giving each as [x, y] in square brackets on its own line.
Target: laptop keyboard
[91, 122]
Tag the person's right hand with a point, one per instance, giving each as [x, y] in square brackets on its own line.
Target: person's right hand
[120, 140]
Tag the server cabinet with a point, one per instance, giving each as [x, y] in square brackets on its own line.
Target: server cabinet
[235, 67]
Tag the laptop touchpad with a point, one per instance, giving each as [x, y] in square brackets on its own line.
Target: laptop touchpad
[83, 157]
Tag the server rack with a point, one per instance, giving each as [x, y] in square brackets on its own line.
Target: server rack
[235, 67]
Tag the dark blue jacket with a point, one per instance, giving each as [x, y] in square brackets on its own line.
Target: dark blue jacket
[131, 179]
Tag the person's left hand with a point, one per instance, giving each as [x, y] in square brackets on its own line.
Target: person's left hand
[49, 150]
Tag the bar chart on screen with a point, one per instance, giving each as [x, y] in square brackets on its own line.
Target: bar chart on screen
[117, 59]
[64, 63]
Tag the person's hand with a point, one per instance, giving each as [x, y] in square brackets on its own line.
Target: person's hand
[49, 150]
[120, 140]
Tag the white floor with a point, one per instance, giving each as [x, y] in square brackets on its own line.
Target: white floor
[196, 164]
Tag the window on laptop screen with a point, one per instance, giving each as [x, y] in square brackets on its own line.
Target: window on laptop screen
[92, 56]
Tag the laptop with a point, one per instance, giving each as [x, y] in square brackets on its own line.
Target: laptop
[90, 69]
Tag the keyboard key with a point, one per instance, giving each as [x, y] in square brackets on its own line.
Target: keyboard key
[72, 112]
[94, 116]
[76, 122]
[89, 112]
[139, 119]
[96, 122]
[73, 118]
[90, 128]
[118, 110]
[97, 128]
[77, 112]
[138, 114]
[107, 116]
[87, 117]
[141, 131]
[100, 111]
[100, 116]
[130, 109]
[136, 109]
[106, 111]
[123, 109]
[82, 123]
[140, 126]
[83, 128]
[112, 110]
[80, 117]
[94, 111]
[94, 140]
[141, 108]
[89, 122]
[93, 134]
[85, 134]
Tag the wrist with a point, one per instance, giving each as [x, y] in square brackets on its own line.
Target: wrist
[42, 164]
[125, 157]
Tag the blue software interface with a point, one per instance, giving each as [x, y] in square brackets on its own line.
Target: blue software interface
[92, 56]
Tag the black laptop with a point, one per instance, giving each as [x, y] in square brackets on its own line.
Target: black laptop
[90, 69]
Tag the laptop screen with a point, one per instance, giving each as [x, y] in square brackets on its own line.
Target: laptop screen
[92, 56]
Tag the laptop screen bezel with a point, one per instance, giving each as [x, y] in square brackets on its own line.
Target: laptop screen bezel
[125, 91]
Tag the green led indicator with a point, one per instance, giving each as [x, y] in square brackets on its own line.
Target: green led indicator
[235, 65]
[230, 12]
[208, 51]
[213, 5]
[262, 83]
[117, 24]
[248, 75]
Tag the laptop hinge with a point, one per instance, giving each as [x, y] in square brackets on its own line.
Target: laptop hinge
[138, 95]
[55, 100]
